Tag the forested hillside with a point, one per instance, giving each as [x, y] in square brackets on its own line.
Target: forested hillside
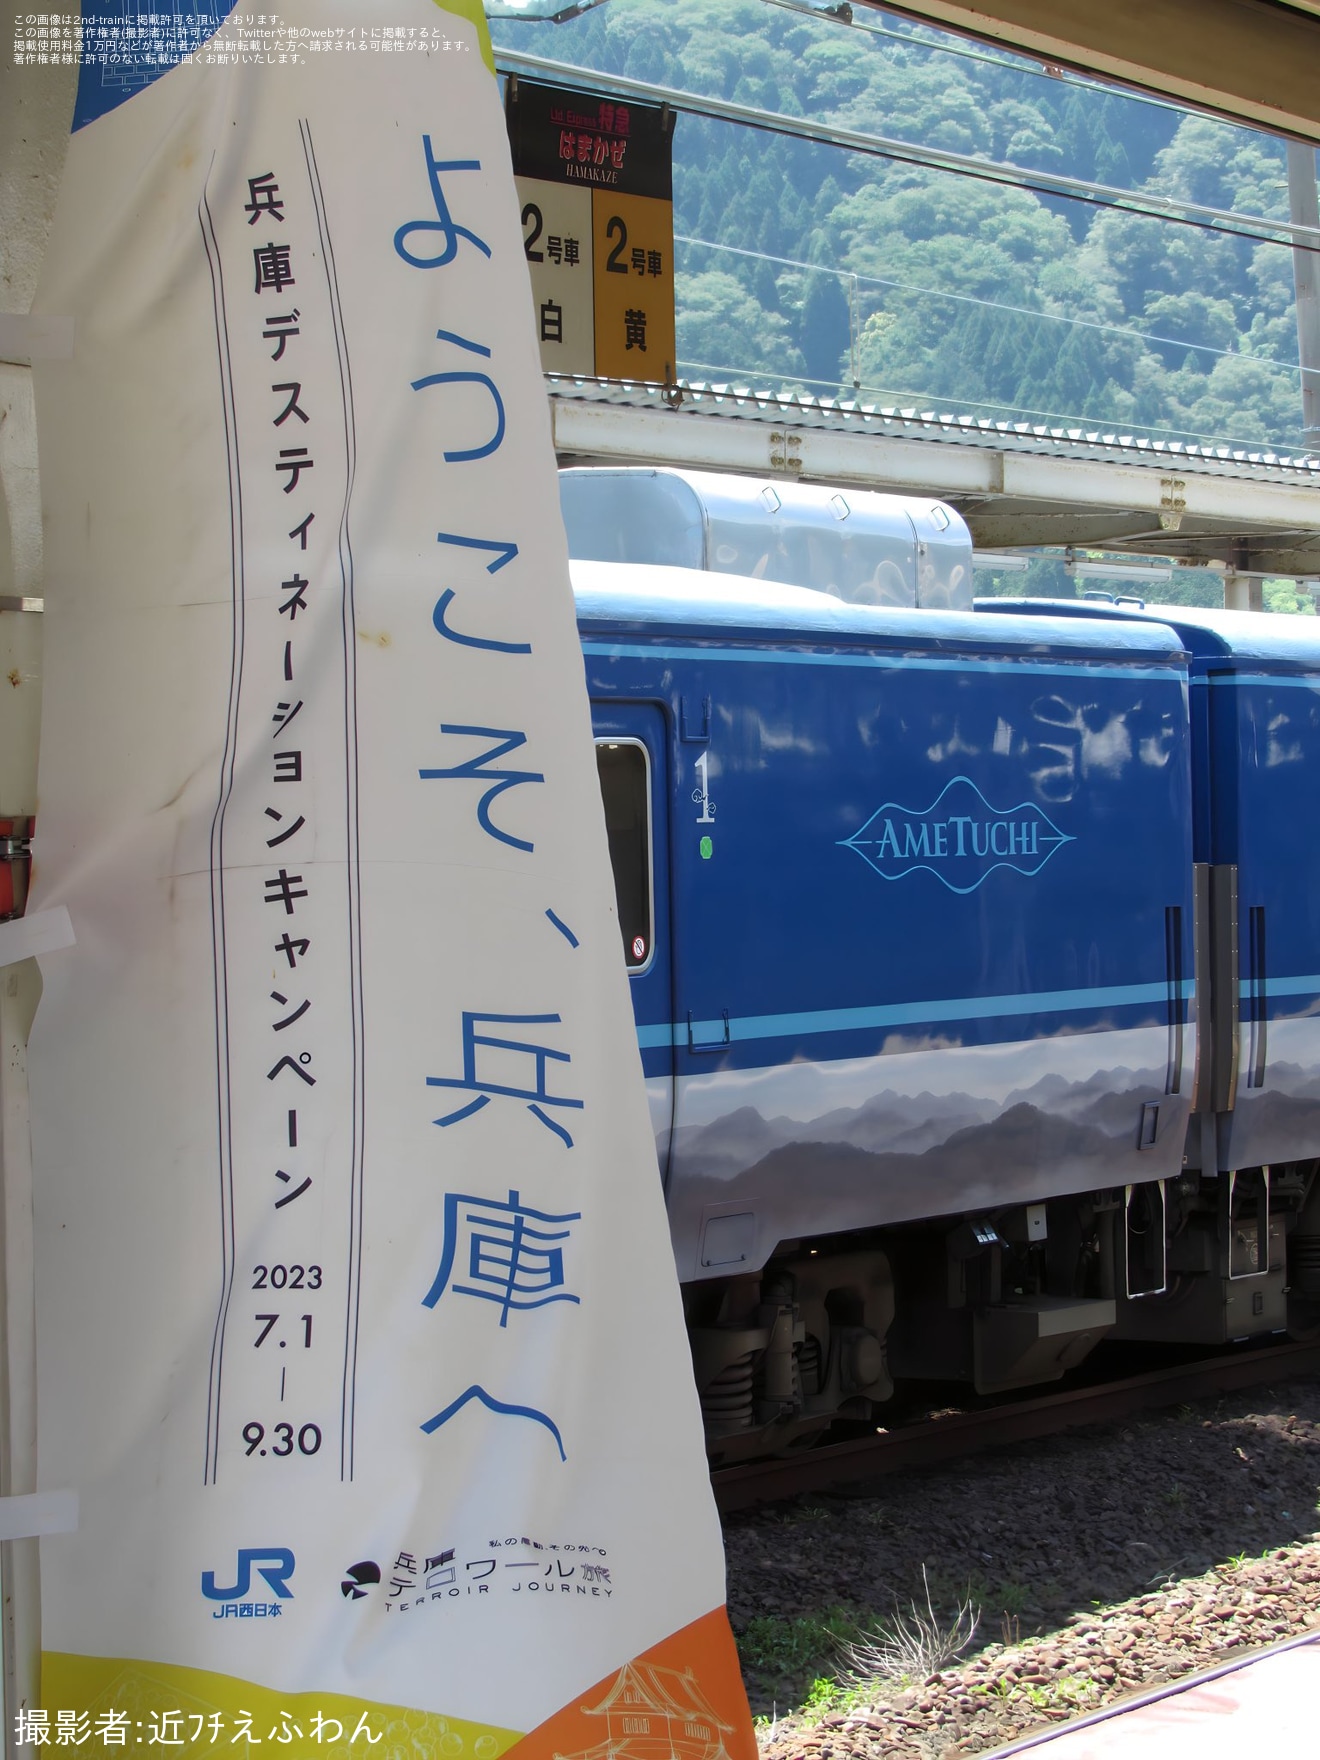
[968, 296]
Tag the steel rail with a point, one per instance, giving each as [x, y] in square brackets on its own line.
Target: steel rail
[1186, 1683]
[934, 1440]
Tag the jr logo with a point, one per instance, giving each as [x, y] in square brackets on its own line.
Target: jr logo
[960, 838]
[274, 1564]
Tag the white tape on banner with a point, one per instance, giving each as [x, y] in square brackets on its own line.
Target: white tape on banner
[34, 1513]
[42, 932]
[25, 337]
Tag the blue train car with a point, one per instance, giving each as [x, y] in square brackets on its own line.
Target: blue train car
[907, 899]
[1244, 1222]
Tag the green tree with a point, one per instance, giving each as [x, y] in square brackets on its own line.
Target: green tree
[1086, 279]
[1284, 596]
[723, 332]
[823, 328]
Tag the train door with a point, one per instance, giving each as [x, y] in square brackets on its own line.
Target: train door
[1268, 724]
[632, 763]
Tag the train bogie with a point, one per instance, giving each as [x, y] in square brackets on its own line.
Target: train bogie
[787, 1351]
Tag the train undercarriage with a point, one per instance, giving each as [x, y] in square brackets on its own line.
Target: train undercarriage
[1002, 1300]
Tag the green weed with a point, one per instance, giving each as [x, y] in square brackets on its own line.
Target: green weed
[1073, 1692]
[789, 1649]
[821, 1696]
[1008, 1595]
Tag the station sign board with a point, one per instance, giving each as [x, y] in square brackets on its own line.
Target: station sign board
[595, 186]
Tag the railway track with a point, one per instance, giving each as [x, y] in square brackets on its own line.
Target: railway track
[926, 1442]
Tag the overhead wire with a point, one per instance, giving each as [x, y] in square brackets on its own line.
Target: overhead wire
[1261, 229]
[1024, 64]
[848, 19]
[1222, 222]
[993, 305]
[923, 403]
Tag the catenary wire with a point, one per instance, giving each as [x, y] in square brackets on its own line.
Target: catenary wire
[990, 304]
[1026, 64]
[1220, 221]
[1088, 427]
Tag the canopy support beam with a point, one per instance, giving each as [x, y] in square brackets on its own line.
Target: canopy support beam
[1251, 60]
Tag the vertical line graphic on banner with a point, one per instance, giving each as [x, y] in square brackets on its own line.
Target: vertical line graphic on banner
[299, 1123]
[357, 1022]
[224, 1120]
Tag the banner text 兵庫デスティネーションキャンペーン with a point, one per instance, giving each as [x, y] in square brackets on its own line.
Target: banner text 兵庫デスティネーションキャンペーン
[358, 1333]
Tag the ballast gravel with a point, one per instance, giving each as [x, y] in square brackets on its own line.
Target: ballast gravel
[1103, 1562]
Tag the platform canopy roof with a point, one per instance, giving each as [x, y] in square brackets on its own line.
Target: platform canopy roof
[1255, 60]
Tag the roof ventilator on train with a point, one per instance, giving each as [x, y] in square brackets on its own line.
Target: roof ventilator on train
[856, 545]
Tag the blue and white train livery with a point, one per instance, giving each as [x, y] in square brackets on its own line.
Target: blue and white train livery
[909, 899]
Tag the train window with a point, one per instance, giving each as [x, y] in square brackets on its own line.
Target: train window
[625, 788]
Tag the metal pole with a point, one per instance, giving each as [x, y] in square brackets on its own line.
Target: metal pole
[1304, 210]
[20, 1626]
[1243, 592]
[36, 104]
[854, 333]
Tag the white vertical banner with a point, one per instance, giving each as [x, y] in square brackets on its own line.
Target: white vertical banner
[358, 1331]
